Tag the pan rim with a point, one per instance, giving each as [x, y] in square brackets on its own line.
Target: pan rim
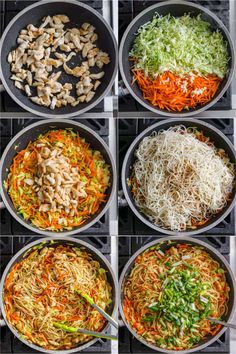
[58, 238]
[201, 108]
[50, 123]
[125, 187]
[89, 106]
[196, 242]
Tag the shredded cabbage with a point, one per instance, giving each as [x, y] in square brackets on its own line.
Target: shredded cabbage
[182, 45]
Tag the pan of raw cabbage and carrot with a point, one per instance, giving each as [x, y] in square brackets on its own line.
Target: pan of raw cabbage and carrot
[177, 58]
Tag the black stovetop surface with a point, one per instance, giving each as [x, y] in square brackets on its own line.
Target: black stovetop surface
[127, 247]
[128, 10]
[8, 10]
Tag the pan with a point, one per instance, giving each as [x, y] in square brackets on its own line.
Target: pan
[53, 242]
[164, 245]
[78, 14]
[215, 135]
[21, 140]
[175, 8]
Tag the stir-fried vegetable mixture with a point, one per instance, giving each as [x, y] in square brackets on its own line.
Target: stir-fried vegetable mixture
[58, 181]
[170, 293]
[179, 179]
[179, 62]
[44, 288]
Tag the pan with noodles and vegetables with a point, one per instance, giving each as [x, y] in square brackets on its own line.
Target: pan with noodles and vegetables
[57, 176]
[179, 177]
[177, 58]
[40, 292]
[169, 290]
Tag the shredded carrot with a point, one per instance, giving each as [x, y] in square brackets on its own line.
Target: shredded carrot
[216, 330]
[175, 93]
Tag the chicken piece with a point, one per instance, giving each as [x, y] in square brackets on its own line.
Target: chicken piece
[27, 90]
[86, 49]
[97, 76]
[90, 96]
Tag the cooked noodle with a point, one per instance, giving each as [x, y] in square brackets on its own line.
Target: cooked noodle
[168, 296]
[180, 179]
[40, 290]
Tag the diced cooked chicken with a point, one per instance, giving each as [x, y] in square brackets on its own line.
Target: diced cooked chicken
[35, 59]
[59, 186]
[27, 90]
[90, 96]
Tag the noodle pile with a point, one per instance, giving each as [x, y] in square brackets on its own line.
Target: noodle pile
[168, 296]
[180, 179]
[40, 290]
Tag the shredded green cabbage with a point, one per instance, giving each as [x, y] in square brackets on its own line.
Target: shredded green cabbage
[182, 45]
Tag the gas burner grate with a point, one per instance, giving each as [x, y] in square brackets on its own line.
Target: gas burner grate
[218, 7]
[19, 5]
[10, 127]
[129, 224]
[127, 247]
[226, 125]
[100, 126]
[220, 243]
[8, 247]
[8, 10]
[128, 10]
[101, 243]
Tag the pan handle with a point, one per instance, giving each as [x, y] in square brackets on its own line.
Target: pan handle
[2, 88]
[122, 202]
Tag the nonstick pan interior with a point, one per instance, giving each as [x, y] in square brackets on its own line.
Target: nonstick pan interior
[219, 140]
[78, 14]
[30, 134]
[164, 245]
[175, 8]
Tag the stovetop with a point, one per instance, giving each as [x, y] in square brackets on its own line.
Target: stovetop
[8, 247]
[127, 247]
[128, 10]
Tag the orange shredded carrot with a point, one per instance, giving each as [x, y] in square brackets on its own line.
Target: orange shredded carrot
[174, 93]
